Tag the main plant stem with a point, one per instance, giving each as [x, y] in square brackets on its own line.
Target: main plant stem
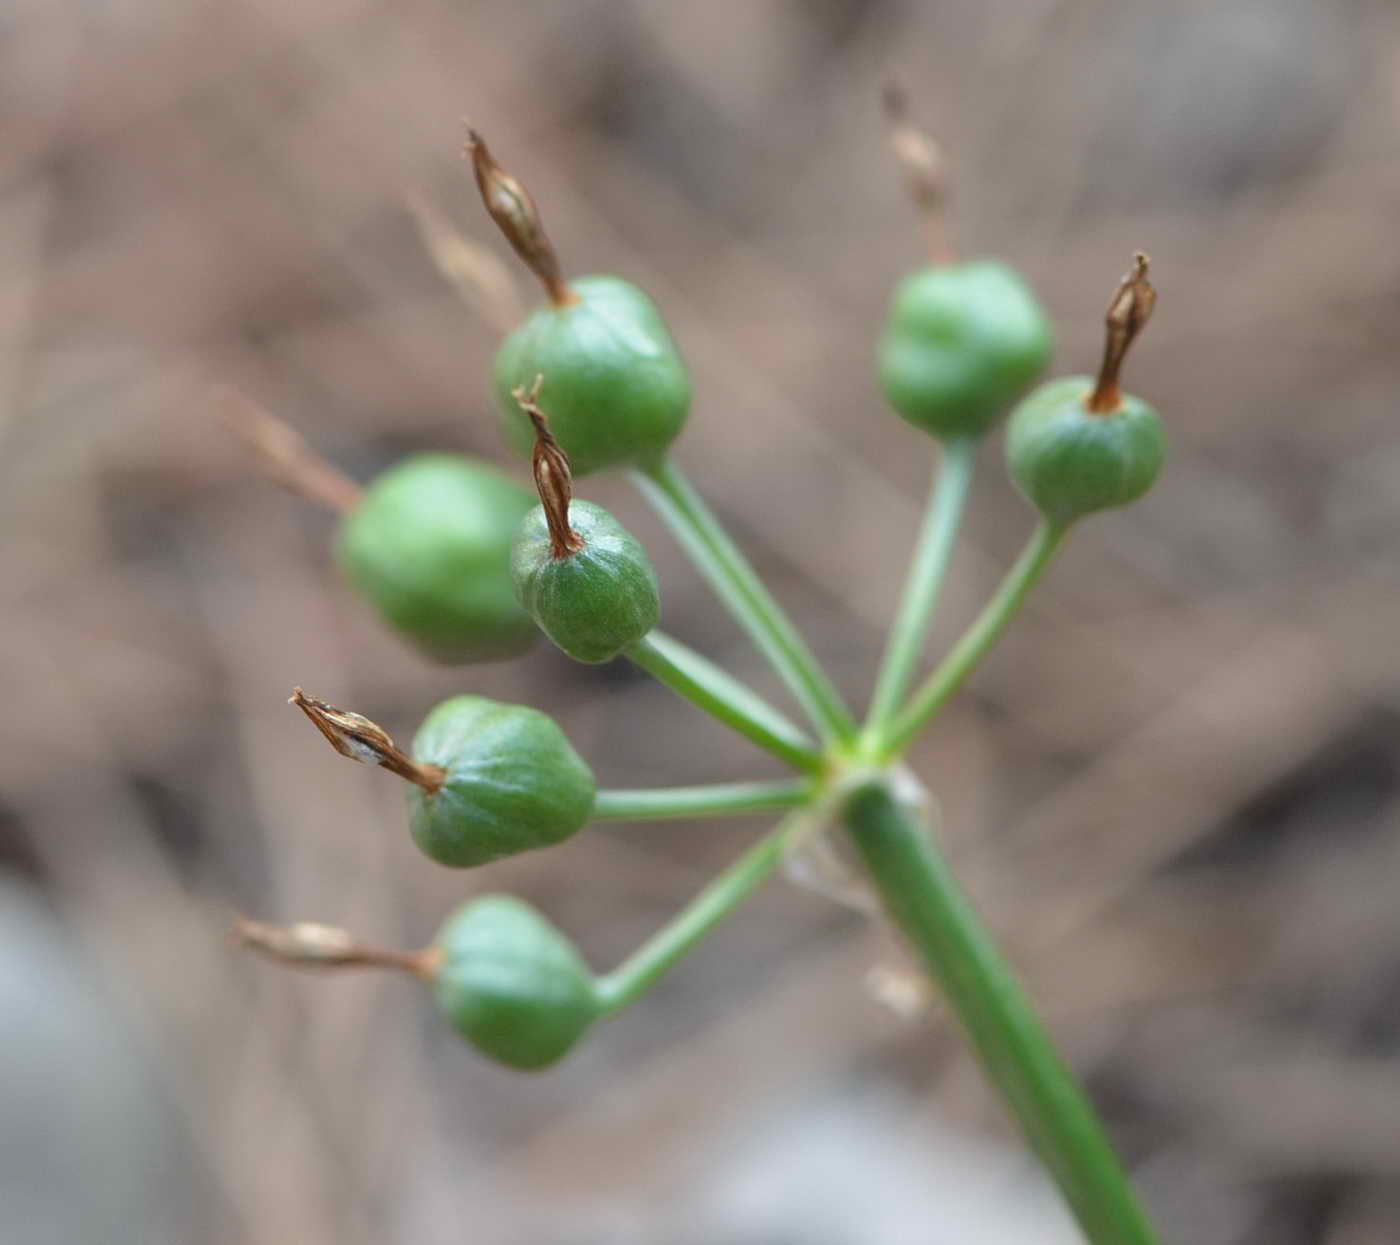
[937, 536]
[734, 581]
[927, 903]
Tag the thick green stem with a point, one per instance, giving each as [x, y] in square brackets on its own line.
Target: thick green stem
[939, 533]
[736, 584]
[719, 799]
[926, 902]
[640, 971]
[719, 694]
[976, 641]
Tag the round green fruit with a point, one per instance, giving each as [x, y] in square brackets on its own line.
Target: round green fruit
[512, 783]
[614, 384]
[962, 343]
[512, 984]
[596, 601]
[429, 545]
[1070, 461]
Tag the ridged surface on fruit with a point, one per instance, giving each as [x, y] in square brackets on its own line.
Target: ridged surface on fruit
[615, 387]
[512, 984]
[429, 546]
[1070, 462]
[961, 344]
[514, 782]
[595, 602]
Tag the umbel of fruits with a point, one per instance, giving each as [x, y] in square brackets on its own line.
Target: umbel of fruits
[489, 779]
[618, 391]
[581, 575]
[429, 544]
[511, 983]
[1077, 445]
[962, 342]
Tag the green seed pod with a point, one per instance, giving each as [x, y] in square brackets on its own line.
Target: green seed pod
[962, 343]
[618, 391]
[597, 599]
[507, 781]
[1078, 445]
[429, 545]
[511, 983]
[1070, 462]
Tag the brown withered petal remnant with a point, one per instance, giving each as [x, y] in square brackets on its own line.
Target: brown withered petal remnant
[479, 276]
[360, 739]
[925, 174]
[306, 944]
[553, 478]
[284, 455]
[1128, 311]
[513, 209]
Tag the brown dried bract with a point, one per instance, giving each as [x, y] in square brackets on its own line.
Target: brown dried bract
[285, 457]
[360, 739]
[1128, 311]
[925, 172]
[306, 944]
[480, 277]
[553, 478]
[513, 209]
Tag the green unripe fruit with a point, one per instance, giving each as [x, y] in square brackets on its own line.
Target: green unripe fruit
[1070, 461]
[617, 390]
[429, 545]
[596, 600]
[962, 343]
[511, 782]
[512, 984]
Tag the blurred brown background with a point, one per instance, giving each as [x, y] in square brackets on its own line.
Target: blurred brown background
[1175, 788]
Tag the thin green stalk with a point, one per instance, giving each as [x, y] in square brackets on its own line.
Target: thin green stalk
[718, 799]
[640, 971]
[719, 694]
[947, 500]
[975, 642]
[736, 584]
[926, 902]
